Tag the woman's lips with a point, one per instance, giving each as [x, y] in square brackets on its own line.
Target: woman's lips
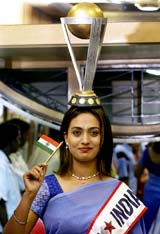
[85, 149]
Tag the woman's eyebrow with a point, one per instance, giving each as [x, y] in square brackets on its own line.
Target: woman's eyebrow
[76, 127]
[94, 127]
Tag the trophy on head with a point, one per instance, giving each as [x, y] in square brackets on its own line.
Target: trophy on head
[85, 21]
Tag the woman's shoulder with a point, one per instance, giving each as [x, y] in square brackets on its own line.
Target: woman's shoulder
[110, 181]
[53, 184]
[49, 176]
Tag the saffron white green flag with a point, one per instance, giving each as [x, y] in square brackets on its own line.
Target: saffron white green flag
[46, 143]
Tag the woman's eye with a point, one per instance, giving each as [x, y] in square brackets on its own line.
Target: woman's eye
[76, 133]
[94, 133]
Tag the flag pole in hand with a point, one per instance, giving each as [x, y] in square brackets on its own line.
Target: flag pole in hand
[49, 145]
[52, 154]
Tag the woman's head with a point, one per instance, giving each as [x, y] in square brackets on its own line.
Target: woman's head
[9, 137]
[24, 129]
[105, 145]
[84, 138]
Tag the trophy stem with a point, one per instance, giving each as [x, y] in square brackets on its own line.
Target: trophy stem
[65, 28]
[95, 44]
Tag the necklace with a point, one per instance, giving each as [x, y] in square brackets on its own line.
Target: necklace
[85, 178]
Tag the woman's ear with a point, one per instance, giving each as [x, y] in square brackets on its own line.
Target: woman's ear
[66, 138]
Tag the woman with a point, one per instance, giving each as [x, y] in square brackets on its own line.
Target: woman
[71, 200]
[150, 160]
[125, 163]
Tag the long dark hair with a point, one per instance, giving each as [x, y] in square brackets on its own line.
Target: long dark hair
[104, 158]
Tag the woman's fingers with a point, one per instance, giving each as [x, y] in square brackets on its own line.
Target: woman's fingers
[37, 172]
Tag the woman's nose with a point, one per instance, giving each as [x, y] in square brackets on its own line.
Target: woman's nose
[85, 138]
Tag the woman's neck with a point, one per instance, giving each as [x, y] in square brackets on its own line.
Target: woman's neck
[83, 169]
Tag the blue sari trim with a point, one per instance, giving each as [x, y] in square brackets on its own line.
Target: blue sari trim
[53, 185]
[49, 188]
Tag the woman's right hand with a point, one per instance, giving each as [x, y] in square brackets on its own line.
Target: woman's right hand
[34, 178]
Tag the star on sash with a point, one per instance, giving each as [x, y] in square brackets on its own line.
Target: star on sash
[109, 227]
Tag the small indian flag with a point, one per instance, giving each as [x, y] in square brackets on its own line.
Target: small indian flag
[46, 143]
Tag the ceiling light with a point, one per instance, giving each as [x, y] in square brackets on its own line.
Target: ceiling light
[155, 72]
[147, 5]
[146, 8]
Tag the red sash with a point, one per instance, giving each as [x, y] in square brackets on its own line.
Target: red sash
[119, 213]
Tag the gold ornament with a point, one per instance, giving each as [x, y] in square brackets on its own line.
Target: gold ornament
[85, 99]
[83, 10]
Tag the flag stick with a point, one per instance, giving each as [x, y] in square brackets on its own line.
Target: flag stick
[51, 155]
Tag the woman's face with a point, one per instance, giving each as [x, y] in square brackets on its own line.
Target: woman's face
[84, 137]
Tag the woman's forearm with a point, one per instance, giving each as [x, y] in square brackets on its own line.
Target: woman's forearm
[19, 222]
[23, 219]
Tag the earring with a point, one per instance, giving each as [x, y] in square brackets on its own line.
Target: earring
[66, 146]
